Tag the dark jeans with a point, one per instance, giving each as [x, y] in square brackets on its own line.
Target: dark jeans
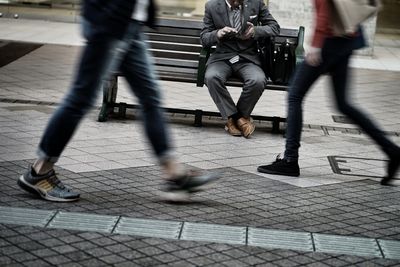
[104, 53]
[335, 60]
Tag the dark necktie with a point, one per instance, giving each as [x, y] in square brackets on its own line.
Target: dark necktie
[237, 20]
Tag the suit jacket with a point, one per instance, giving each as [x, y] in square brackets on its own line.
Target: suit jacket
[216, 17]
[113, 16]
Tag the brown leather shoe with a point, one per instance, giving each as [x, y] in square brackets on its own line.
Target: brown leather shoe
[246, 126]
[231, 128]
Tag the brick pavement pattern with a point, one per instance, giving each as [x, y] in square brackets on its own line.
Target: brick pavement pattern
[111, 166]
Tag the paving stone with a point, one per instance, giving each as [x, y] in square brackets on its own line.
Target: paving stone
[77, 256]
[112, 259]
[37, 262]
[23, 256]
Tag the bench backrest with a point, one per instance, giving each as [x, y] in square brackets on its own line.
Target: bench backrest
[175, 45]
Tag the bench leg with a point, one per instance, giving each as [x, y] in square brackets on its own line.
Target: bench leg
[122, 110]
[198, 117]
[275, 124]
[110, 89]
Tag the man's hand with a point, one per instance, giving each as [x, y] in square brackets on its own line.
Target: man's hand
[226, 32]
[313, 57]
[249, 32]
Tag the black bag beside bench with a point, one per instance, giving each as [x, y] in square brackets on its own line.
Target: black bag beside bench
[278, 59]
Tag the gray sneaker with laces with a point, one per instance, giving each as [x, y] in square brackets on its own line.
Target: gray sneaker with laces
[180, 188]
[47, 186]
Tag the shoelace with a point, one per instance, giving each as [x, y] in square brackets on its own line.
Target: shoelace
[57, 183]
[278, 158]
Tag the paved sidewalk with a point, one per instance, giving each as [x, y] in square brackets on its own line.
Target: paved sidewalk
[334, 214]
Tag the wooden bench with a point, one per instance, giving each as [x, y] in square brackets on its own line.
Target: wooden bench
[178, 56]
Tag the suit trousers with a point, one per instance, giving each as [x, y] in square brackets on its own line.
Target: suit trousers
[254, 82]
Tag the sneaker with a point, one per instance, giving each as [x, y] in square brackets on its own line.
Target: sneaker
[281, 167]
[47, 186]
[180, 188]
[393, 166]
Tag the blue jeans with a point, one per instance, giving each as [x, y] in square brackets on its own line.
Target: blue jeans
[102, 54]
[335, 60]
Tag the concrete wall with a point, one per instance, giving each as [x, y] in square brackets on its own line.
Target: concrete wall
[293, 13]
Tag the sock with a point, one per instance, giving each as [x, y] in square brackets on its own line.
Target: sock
[42, 167]
[235, 116]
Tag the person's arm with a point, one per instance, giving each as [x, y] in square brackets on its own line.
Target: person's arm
[208, 35]
[322, 26]
[321, 32]
[269, 26]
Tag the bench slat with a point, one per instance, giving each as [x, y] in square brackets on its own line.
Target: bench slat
[173, 38]
[179, 23]
[177, 70]
[175, 47]
[175, 54]
[176, 31]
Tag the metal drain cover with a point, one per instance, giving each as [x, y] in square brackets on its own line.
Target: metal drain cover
[149, 228]
[357, 246]
[21, 216]
[84, 222]
[214, 233]
[280, 239]
[390, 248]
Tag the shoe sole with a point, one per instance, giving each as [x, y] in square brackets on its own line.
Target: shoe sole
[32, 189]
[278, 173]
[238, 134]
[389, 180]
[184, 194]
[177, 196]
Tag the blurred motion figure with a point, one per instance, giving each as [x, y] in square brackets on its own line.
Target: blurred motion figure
[330, 53]
[114, 41]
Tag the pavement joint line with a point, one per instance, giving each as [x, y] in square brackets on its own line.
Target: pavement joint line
[281, 239]
[326, 129]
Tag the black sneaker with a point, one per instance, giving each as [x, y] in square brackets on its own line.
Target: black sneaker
[281, 167]
[180, 188]
[393, 166]
[47, 186]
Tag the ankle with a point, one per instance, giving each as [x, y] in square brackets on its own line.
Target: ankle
[42, 167]
[172, 169]
[291, 160]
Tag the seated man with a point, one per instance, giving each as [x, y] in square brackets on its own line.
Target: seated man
[234, 27]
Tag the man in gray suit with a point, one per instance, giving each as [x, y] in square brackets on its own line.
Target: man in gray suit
[234, 26]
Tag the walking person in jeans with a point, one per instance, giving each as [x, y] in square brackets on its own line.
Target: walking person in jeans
[330, 53]
[114, 41]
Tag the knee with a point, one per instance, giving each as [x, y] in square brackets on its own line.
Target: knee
[213, 77]
[151, 100]
[77, 105]
[256, 84]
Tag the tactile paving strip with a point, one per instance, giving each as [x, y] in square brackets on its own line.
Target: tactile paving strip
[269, 238]
[21, 216]
[390, 249]
[214, 233]
[280, 239]
[84, 222]
[150, 228]
[357, 246]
